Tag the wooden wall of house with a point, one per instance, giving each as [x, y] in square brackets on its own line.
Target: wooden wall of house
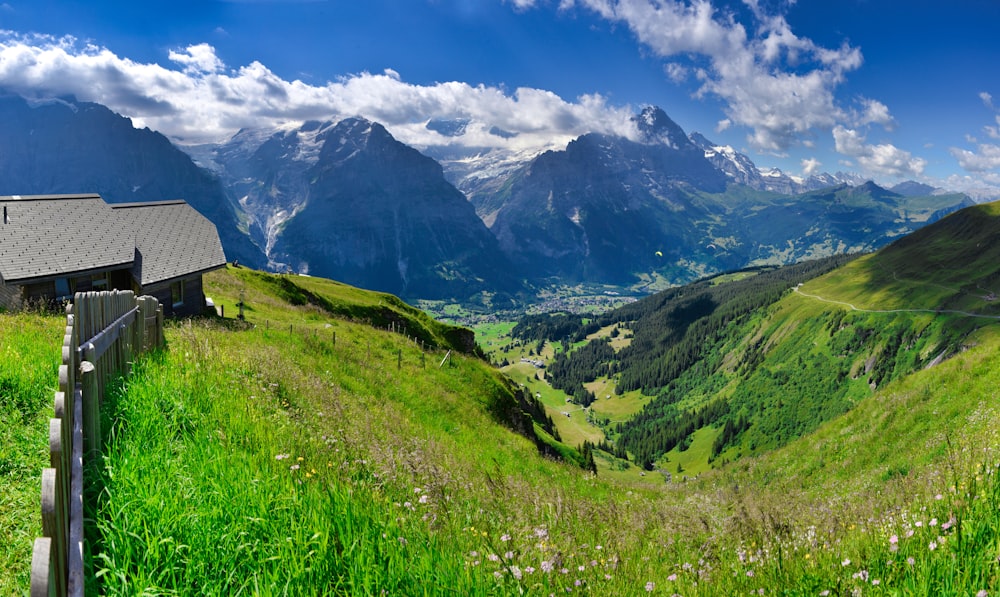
[194, 297]
[10, 296]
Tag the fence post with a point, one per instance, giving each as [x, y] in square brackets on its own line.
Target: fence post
[91, 410]
[43, 577]
[54, 526]
[399, 359]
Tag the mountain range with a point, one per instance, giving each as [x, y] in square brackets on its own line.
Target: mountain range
[348, 201]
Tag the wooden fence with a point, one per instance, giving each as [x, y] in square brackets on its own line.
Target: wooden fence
[104, 331]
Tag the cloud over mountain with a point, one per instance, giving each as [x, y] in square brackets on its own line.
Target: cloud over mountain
[198, 98]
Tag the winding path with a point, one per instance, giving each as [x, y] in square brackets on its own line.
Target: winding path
[932, 311]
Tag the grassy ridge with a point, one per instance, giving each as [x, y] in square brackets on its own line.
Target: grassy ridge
[408, 485]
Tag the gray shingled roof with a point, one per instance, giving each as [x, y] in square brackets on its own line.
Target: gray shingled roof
[51, 235]
[171, 240]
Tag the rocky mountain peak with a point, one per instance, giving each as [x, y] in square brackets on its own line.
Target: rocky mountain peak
[656, 127]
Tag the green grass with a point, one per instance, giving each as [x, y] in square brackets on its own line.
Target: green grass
[407, 484]
[29, 351]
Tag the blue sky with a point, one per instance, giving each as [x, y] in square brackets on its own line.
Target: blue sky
[893, 90]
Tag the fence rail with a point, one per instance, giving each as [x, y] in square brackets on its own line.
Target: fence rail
[104, 332]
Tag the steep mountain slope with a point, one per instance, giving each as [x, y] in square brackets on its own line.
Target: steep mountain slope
[65, 146]
[601, 210]
[614, 210]
[348, 201]
[759, 365]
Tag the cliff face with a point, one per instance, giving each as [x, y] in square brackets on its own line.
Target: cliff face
[381, 215]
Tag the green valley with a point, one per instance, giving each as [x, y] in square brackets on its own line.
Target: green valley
[340, 442]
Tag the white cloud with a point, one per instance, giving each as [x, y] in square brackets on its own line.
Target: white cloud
[810, 166]
[200, 58]
[986, 158]
[883, 159]
[875, 112]
[677, 73]
[204, 100]
[987, 99]
[774, 82]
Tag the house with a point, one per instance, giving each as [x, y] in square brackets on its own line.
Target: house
[52, 246]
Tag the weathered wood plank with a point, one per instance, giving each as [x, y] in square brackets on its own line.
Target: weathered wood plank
[42, 571]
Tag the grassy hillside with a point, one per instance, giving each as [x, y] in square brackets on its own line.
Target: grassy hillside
[275, 460]
[29, 351]
[766, 357]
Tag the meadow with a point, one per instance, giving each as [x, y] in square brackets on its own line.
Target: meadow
[320, 455]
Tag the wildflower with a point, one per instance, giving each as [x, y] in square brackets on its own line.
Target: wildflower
[546, 566]
[516, 572]
[760, 591]
[581, 568]
[402, 540]
[894, 539]
[982, 593]
[876, 582]
[300, 459]
[824, 593]
[918, 524]
[294, 467]
[939, 497]
[529, 570]
[672, 577]
[607, 577]
[541, 533]
[578, 582]
[933, 522]
[282, 456]
[846, 562]
[932, 545]
[505, 537]
[598, 547]
[417, 490]
[493, 557]
[508, 555]
[564, 571]
[750, 573]
[423, 499]
[650, 586]
[910, 561]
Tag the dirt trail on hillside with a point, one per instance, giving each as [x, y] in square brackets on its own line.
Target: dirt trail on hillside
[932, 311]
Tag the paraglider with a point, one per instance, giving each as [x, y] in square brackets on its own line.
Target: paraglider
[659, 253]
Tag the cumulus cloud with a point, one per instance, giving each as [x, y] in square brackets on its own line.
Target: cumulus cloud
[776, 83]
[984, 159]
[200, 99]
[810, 166]
[882, 159]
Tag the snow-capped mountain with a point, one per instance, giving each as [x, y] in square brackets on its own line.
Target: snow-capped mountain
[742, 170]
[348, 201]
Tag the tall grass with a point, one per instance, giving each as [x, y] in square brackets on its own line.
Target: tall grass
[29, 361]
